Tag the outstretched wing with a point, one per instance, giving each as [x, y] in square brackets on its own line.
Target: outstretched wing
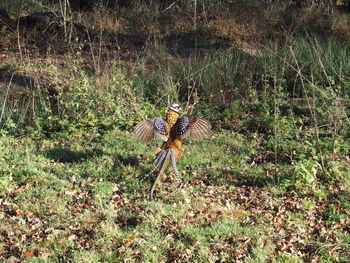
[192, 127]
[147, 130]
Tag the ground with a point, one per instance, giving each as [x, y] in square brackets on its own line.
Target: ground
[79, 198]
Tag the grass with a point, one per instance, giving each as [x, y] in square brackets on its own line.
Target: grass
[78, 198]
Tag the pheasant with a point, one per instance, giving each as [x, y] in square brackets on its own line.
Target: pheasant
[172, 131]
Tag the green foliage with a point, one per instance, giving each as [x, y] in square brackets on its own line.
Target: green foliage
[306, 172]
[86, 103]
[22, 7]
[116, 102]
[5, 183]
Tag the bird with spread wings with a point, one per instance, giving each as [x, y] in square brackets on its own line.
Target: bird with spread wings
[172, 131]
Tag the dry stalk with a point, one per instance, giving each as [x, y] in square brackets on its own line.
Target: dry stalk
[19, 41]
[276, 115]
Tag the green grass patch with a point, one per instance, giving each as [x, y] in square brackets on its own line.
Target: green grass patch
[80, 198]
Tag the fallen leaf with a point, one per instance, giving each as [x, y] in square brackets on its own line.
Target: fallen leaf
[28, 254]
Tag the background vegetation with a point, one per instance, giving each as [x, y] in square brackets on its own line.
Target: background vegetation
[272, 77]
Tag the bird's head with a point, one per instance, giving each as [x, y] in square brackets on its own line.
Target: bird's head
[175, 107]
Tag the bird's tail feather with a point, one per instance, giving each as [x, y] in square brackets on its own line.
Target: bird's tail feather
[157, 162]
[173, 163]
[164, 158]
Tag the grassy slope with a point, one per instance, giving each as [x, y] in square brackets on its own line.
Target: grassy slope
[78, 198]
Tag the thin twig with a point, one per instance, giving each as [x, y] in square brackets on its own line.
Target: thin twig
[19, 40]
[276, 115]
[170, 6]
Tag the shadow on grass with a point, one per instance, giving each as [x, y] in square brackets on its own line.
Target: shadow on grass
[238, 178]
[120, 160]
[253, 180]
[128, 222]
[65, 155]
